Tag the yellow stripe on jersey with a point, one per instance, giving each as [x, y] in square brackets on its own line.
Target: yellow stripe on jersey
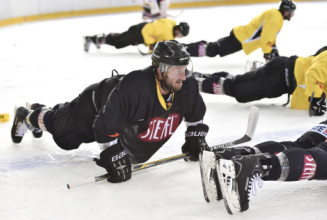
[161, 98]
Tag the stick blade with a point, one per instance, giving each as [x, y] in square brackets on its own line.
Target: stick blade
[252, 123]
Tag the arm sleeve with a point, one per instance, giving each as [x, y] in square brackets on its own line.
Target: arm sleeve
[113, 117]
[149, 34]
[270, 29]
[315, 79]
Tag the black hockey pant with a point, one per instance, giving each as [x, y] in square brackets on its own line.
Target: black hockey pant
[265, 82]
[133, 36]
[222, 47]
[307, 156]
[72, 124]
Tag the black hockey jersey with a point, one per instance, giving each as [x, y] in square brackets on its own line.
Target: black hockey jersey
[137, 113]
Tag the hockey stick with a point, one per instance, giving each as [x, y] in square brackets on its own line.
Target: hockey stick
[252, 122]
[141, 52]
[134, 169]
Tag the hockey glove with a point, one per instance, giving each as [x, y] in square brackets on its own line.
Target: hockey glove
[195, 141]
[318, 105]
[115, 160]
[269, 56]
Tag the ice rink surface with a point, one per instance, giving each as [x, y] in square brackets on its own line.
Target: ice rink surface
[44, 62]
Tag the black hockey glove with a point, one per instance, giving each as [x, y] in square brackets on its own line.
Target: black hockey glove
[115, 160]
[318, 105]
[195, 141]
[269, 56]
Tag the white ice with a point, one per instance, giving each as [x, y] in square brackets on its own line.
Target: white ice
[44, 62]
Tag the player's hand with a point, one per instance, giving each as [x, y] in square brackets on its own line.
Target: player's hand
[115, 160]
[195, 141]
[269, 56]
[318, 105]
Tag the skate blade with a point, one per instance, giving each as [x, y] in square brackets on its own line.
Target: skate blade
[207, 162]
[226, 176]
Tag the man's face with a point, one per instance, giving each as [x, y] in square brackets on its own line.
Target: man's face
[174, 77]
[289, 15]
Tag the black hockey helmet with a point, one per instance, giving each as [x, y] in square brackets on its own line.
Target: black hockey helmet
[287, 5]
[183, 27]
[171, 53]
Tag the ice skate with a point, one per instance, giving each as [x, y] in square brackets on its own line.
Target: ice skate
[20, 126]
[208, 160]
[211, 190]
[237, 178]
[87, 43]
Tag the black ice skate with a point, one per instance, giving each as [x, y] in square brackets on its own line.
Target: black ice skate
[237, 178]
[19, 127]
[37, 133]
[208, 163]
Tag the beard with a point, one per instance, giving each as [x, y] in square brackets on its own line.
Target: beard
[171, 86]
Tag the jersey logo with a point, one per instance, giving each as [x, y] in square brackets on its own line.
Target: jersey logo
[114, 135]
[321, 129]
[160, 128]
[309, 168]
[320, 84]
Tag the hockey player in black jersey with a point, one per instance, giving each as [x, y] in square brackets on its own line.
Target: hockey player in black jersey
[261, 32]
[130, 116]
[241, 169]
[296, 76]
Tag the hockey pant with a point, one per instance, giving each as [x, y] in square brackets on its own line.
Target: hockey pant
[133, 36]
[305, 158]
[265, 82]
[72, 124]
[222, 47]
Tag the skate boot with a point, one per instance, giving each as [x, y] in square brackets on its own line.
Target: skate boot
[37, 133]
[237, 178]
[20, 126]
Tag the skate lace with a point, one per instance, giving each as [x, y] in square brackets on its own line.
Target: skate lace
[255, 180]
[21, 129]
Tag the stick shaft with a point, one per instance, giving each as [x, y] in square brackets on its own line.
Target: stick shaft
[252, 123]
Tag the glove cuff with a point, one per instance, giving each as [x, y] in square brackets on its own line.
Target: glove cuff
[198, 131]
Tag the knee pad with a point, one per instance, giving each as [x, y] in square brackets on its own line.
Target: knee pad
[69, 141]
[297, 164]
[197, 49]
[270, 147]
[319, 153]
[212, 49]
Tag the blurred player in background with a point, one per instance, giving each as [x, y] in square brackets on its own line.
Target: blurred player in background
[261, 32]
[163, 29]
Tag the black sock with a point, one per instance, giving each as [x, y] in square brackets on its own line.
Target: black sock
[34, 118]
